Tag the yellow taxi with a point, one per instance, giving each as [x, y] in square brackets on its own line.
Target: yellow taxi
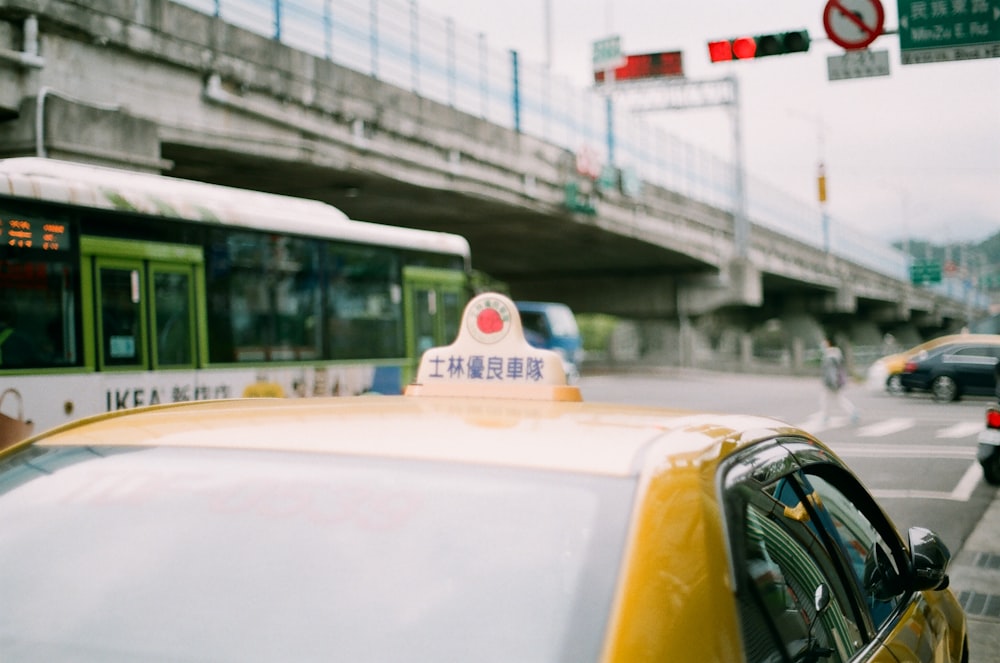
[489, 514]
[885, 373]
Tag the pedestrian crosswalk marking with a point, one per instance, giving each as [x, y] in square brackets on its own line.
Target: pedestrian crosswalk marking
[961, 429]
[863, 448]
[886, 427]
[815, 424]
[924, 451]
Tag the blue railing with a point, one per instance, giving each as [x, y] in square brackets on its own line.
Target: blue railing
[397, 42]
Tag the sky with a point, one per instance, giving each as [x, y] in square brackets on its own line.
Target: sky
[915, 154]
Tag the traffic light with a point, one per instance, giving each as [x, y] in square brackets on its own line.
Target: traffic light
[759, 46]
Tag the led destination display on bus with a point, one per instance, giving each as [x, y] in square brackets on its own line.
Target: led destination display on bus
[34, 234]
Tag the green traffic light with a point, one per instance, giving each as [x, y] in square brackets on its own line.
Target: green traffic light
[769, 45]
[796, 41]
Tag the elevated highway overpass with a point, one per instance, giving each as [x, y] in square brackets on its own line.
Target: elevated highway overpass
[158, 86]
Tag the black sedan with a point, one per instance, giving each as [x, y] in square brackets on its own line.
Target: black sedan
[953, 370]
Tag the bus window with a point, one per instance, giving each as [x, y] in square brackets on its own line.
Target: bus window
[363, 303]
[173, 318]
[265, 303]
[38, 325]
[119, 302]
[39, 301]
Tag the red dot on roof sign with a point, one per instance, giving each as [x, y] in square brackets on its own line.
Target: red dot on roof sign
[853, 24]
[488, 319]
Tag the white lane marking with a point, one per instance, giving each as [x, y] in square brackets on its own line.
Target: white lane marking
[860, 449]
[887, 427]
[814, 424]
[968, 483]
[893, 493]
[961, 493]
[961, 429]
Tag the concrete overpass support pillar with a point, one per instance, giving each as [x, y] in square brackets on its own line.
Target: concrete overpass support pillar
[746, 351]
[864, 344]
[865, 332]
[624, 344]
[903, 336]
[738, 284]
[798, 354]
[687, 343]
[802, 332]
[654, 342]
[662, 342]
[844, 300]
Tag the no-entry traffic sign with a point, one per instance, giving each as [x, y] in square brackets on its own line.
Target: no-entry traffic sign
[853, 24]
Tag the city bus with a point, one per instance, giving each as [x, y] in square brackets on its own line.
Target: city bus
[120, 289]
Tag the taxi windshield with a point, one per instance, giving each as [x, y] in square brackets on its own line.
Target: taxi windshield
[184, 554]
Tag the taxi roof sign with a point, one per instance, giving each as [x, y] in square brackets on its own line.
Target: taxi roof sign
[491, 358]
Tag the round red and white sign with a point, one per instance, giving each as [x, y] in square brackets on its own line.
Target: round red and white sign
[853, 24]
[488, 319]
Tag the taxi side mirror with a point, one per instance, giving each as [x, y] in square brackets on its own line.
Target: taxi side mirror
[929, 558]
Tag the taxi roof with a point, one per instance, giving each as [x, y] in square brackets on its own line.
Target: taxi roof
[489, 397]
[573, 437]
[902, 356]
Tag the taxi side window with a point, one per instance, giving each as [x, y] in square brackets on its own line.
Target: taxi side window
[783, 566]
[875, 570]
[818, 526]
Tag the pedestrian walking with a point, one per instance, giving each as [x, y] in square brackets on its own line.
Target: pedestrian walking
[834, 375]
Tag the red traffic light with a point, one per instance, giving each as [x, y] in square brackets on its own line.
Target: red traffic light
[741, 48]
[720, 51]
[744, 48]
[748, 48]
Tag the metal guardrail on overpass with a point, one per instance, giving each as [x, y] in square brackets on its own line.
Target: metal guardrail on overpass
[399, 43]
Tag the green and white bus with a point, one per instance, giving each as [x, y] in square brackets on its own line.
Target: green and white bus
[120, 289]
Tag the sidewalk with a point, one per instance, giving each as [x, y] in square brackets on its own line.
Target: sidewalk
[975, 579]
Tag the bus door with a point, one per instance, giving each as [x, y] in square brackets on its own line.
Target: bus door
[433, 301]
[146, 305]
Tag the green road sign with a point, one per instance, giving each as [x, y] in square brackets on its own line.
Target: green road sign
[608, 53]
[925, 271]
[937, 31]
